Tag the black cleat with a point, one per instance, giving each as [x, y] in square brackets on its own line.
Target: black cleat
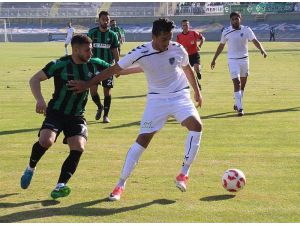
[235, 108]
[240, 112]
[98, 114]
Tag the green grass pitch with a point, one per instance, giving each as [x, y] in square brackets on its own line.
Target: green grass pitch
[264, 144]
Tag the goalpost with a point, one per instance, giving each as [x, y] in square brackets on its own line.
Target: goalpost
[3, 30]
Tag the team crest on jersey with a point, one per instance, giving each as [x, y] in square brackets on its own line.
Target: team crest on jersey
[90, 74]
[242, 34]
[171, 60]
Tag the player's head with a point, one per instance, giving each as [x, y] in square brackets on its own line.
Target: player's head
[104, 19]
[185, 25]
[235, 19]
[113, 23]
[69, 24]
[81, 47]
[162, 33]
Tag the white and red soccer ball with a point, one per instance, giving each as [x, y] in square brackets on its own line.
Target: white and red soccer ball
[233, 180]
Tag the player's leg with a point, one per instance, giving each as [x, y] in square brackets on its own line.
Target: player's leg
[153, 120]
[244, 68]
[234, 69]
[195, 64]
[188, 116]
[96, 99]
[47, 136]
[67, 42]
[76, 135]
[132, 158]
[107, 86]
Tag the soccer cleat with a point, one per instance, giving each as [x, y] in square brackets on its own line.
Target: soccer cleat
[99, 112]
[116, 194]
[26, 178]
[199, 76]
[181, 182]
[235, 108]
[106, 119]
[59, 192]
[240, 112]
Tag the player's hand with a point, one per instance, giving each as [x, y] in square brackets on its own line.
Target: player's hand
[263, 52]
[213, 64]
[77, 86]
[198, 99]
[41, 106]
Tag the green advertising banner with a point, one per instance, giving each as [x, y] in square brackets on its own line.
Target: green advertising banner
[257, 8]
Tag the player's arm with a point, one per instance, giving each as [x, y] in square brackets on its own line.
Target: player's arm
[115, 53]
[218, 52]
[260, 47]
[193, 82]
[35, 86]
[201, 41]
[79, 86]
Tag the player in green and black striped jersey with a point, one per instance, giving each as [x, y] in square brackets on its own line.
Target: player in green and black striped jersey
[105, 47]
[117, 30]
[64, 111]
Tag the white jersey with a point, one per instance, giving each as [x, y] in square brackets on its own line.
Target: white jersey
[163, 69]
[70, 32]
[237, 41]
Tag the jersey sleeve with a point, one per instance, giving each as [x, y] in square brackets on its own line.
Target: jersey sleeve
[251, 34]
[100, 65]
[50, 68]
[129, 59]
[89, 34]
[223, 39]
[198, 35]
[115, 41]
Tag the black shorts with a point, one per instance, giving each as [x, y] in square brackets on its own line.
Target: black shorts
[70, 125]
[194, 59]
[108, 83]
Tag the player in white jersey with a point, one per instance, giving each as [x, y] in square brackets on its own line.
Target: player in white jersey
[166, 66]
[70, 34]
[237, 37]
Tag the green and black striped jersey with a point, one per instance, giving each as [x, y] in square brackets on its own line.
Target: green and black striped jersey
[103, 42]
[67, 102]
[117, 30]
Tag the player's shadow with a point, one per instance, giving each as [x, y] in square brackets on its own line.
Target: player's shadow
[233, 114]
[217, 198]
[130, 96]
[80, 209]
[7, 132]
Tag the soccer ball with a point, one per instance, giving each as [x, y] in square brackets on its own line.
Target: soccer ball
[233, 180]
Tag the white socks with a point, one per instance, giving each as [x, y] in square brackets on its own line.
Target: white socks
[238, 99]
[66, 50]
[133, 156]
[191, 149]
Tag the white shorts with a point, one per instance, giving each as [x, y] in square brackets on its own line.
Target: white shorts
[158, 110]
[238, 68]
[68, 41]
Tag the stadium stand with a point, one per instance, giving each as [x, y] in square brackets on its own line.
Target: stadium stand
[42, 20]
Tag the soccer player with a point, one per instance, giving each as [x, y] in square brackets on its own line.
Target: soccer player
[117, 30]
[168, 72]
[237, 37]
[64, 111]
[272, 34]
[105, 47]
[189, 39]
[70, 34]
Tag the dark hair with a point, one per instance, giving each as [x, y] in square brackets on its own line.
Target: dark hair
[183, 21]
[162, 25]
[103, 13]
[80, 39]
[235, 14]
[113, 20]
